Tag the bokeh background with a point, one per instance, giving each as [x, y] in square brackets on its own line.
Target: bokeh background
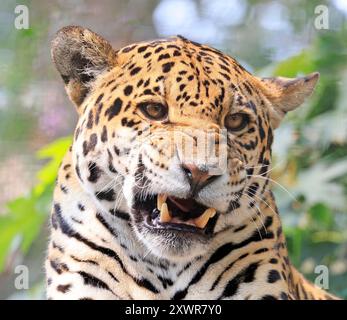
[267, 37]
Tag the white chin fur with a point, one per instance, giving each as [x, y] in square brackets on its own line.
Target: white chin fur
[164, 249]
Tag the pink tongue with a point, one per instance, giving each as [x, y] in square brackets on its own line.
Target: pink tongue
[185, 205]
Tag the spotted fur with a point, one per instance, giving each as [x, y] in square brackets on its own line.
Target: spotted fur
[100, 249]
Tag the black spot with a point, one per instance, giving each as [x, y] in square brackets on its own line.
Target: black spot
[158, 49]
[268, 297]
[142, 49]
[59, 248]
[90, 146]
[135, 71]
[147, 55]
[268, 222]
[119, 214]
[163, 56]
[128, 90]
[116, 150]
[67, 166]
[273, 276]
[94, 172]
[284, 296]
[176, 53]
[58, 267]
[63, 189]
[54, 221]
[114, 110]
[249, 171]
[167, 66]
[104, 134]
[261, 129]
[130, 48]
[63, 288]
[98, 112]
[148, 92]
[99, 98]
[90, 119]
[139, 84]
[107, 195]
[261, 250]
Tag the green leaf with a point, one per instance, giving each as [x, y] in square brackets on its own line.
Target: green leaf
[301, 64]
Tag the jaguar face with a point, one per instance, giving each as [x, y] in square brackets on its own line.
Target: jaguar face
[172, 134]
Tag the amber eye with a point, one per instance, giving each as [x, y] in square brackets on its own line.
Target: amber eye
[153, 111]
[236, 121]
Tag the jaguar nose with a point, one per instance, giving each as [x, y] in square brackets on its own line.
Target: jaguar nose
[198, 177]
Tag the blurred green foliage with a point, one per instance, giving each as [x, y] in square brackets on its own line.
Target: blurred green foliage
[21, 223]
[313, 165]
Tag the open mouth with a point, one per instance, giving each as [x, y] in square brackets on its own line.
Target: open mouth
[171, 213]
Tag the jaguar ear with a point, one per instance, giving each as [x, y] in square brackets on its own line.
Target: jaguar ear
[286, 94]
[80, 55]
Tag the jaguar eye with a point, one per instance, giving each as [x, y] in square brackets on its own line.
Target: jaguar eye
[153, 111]
[236, 121]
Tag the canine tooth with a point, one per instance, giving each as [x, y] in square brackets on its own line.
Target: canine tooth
[201, 221]
[161, 198]
[164, 213]
[212, 212]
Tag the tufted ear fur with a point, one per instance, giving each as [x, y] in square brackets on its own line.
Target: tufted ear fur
[286, 94]
[79, 56]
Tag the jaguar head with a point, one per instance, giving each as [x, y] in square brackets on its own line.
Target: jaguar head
[172, 134]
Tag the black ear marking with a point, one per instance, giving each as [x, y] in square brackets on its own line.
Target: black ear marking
[80, 55]
[66, 79]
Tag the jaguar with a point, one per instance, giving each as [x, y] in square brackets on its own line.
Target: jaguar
[165, 192]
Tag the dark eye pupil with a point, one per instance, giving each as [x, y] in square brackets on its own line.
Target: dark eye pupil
[236, 122]
[155, 111]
